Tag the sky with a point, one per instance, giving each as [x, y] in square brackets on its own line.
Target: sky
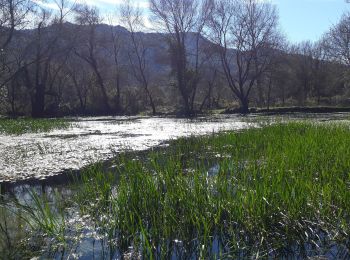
[308, 19]
[300, 20]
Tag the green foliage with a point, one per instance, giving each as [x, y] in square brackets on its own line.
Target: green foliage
[31, 226]
[275, 187]
[28, 125]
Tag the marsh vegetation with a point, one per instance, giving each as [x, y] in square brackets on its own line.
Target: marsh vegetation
[28, 125]
[279, 190]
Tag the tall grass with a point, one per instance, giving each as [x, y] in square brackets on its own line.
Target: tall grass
[260, 192]
[282, 190]
[31, 225]
[28, 125]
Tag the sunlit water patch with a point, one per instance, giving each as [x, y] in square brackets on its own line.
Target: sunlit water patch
[88, 140]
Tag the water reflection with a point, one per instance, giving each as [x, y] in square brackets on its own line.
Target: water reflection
[37, 156]
[93, 139]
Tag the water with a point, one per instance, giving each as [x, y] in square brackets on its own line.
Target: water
[94, 139]
[41, 155]
[89, 140]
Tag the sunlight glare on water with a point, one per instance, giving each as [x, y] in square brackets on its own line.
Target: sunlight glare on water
[89, 140]
[39, 155]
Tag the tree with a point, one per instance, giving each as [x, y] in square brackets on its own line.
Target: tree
[276, 78]
[337, 41]
[13, 14]
[80, 82]
[311, 72]
[132, 19]
[116, 53]
[321, 72]
[247, 38]
[180, 18]
[302, 68]
[46, 57]
[89, 19]
[336, 45]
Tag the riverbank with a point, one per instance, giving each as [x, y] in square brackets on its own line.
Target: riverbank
[293, 109]
[282, 190]
[166, 112]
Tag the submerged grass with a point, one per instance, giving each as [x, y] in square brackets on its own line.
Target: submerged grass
[29, 125]
[282, 190]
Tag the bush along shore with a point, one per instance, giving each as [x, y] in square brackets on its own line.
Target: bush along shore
[276, 191]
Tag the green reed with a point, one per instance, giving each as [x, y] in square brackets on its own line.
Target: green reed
[29, 125]
[273, 188]
[274, 191]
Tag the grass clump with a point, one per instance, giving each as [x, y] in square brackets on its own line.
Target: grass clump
[33, 226]
[29, 125]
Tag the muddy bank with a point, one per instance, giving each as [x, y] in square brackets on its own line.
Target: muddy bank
[287, 110]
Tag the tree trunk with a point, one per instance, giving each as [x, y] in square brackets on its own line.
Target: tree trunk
[261, 99]
[154, 112]
[100, 82]
[38, 103]
[269, 92]
[179, 57]
[244, 102]
[118, 101]
[81, 100]
[151, 102]
[269, 96]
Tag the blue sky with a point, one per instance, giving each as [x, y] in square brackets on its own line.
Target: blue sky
[309, 19]
[300, 19]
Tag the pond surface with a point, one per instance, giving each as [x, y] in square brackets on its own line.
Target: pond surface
[89, 140]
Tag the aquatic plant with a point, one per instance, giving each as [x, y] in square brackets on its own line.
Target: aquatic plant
[29, 125]
[277, 191]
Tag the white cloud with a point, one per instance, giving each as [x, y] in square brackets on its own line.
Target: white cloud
[108, 9]
[48, 5]
[106, 3]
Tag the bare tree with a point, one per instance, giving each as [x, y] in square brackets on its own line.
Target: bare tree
[247, 37]
[310, 69]
[179, 18]
[89, 19]
[131, 17]
[336, 44]
[43, 65]
[275, 78]
[321, 72]
[337, 41]
[116, 52]
[302, 68]
[13, 14]
[80, 80]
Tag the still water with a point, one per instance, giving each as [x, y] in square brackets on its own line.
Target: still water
[39, 156]
[89, 140]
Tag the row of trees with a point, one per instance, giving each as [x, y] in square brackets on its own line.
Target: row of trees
[63, 58]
